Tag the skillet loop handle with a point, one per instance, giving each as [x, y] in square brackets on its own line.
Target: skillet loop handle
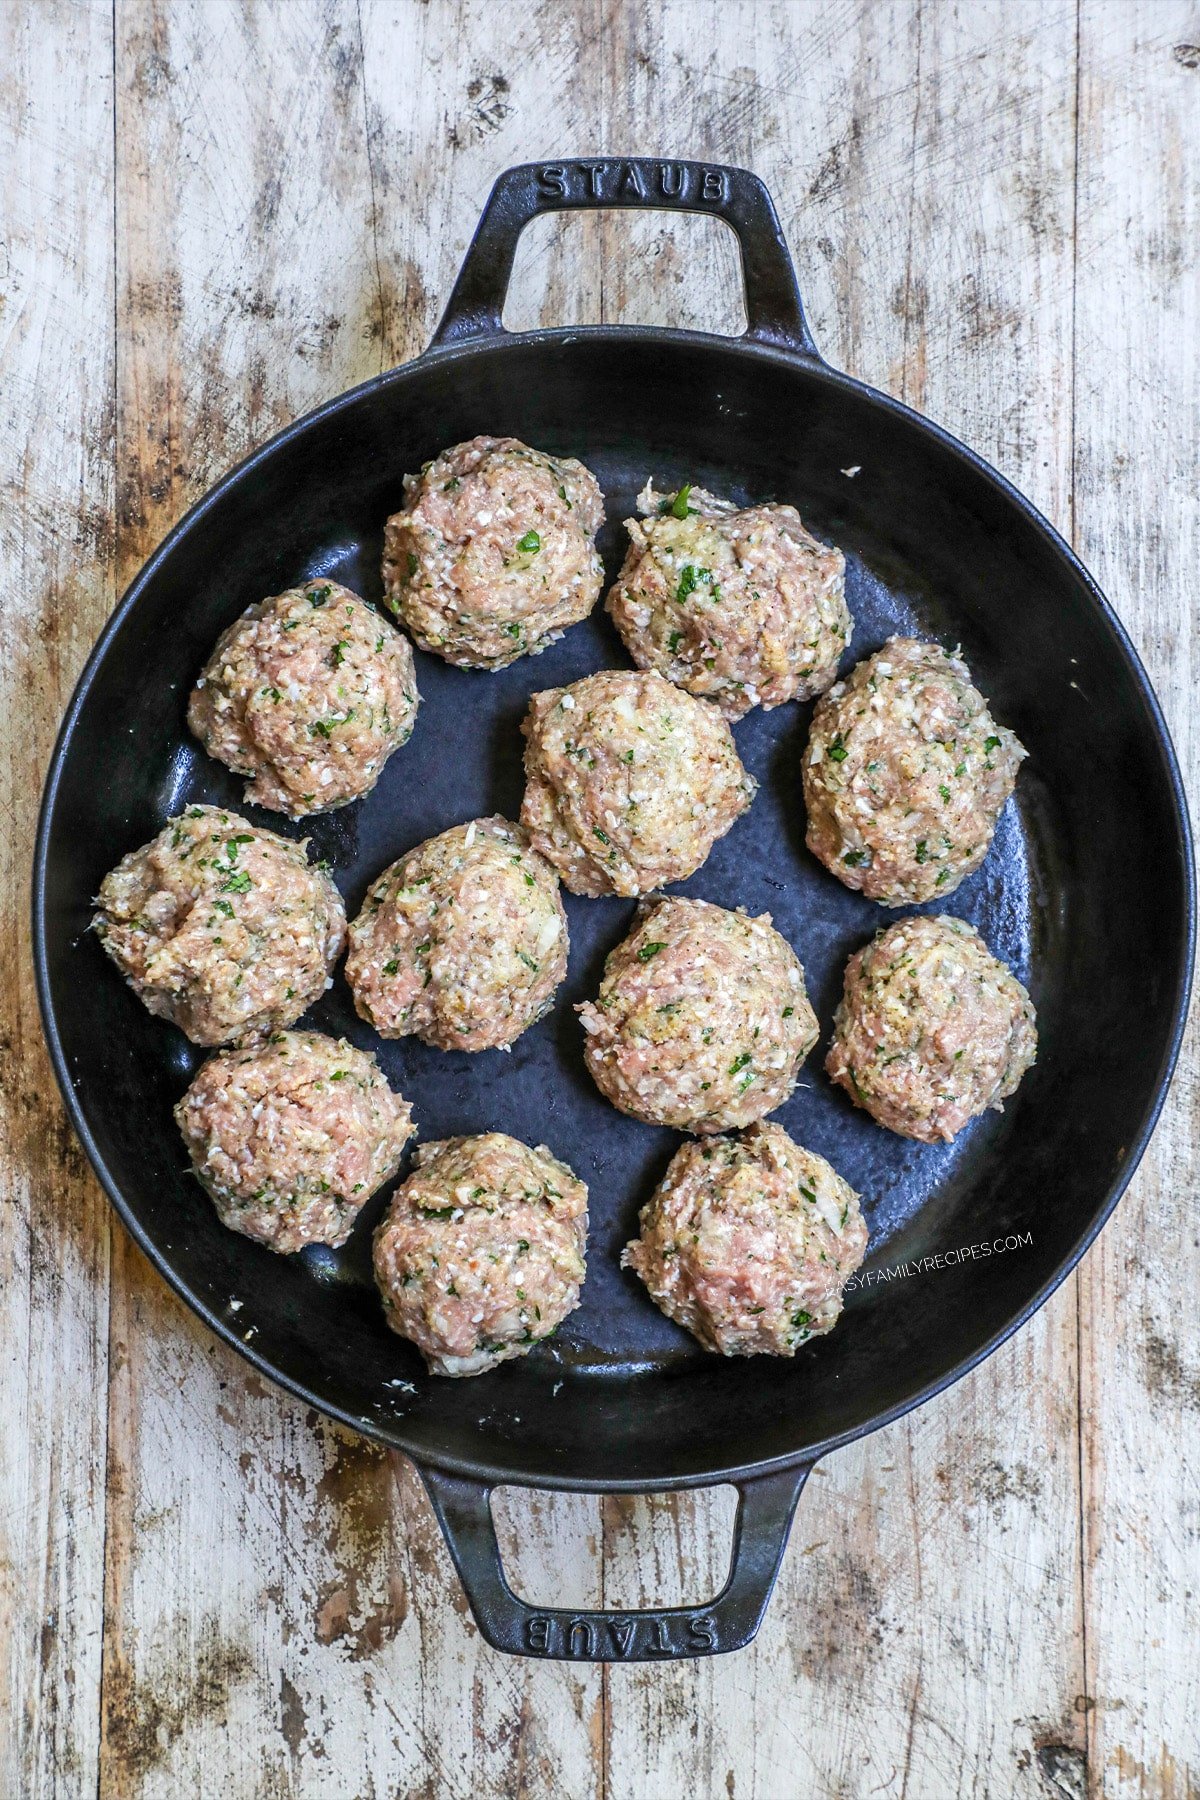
[764, 1516]
[774, 311]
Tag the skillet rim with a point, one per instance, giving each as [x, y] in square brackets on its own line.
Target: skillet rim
[486, 344]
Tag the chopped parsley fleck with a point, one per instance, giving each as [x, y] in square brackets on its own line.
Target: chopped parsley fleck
[922, 850]
[944, 791]
[238, 883]
[317, 596]
[687, 583]
[514, 630]
[943, 875]
[990, 744]
[649, 951]
[602, 835]
[800, 1320]
[337, 655]
[435, 1212]
[739, 1062]
[530, 543]
[562, 494]
[528, 961]
[390, 968]
[788, 1011]
[223, 906]
[322, 727]
[339, 1075]
[413, 564]
[673, 641]
[854, 859]
[837, 751]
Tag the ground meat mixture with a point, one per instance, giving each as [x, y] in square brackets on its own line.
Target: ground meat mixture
[292, 1138]
[702, 1020]
[738, 605]
[224, 929]
[748, 1243]
[630, 781]
[906, 774]
[481, 1255]
[308, 693]
[462, 942]
[931, 1030]
[494, 553]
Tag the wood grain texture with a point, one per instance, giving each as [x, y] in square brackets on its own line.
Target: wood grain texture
[56, 504]
[217, 213]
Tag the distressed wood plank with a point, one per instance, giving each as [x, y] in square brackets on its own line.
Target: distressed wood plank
[282, 1616]
[56, 501]
[1137, 510]
[924, 163]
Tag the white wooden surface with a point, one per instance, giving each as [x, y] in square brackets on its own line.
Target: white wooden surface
[215, 215]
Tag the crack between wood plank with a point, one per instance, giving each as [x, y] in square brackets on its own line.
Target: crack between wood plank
[362, 78]
[912, 208]
[1088, 1731]
[102, 1683]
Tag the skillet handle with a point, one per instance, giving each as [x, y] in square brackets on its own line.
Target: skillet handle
[774, 311]
[760, 1532]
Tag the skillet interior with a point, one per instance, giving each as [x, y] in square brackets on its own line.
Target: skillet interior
[1085, 893]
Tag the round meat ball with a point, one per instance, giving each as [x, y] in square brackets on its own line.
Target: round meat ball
[291, 1138]
[481, 1255]
[494, 553]
[931, 1030]
[739, 605]
[702, 1020]
[462, 942]
[224, 929]
[629, 781]
[308, 693]
[748, 1243]
[905, 774]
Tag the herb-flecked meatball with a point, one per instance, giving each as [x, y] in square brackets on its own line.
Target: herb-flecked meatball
[748, 1243]
[931, 1030]
[629, 781]
[462, 942]
[906, 774]
[739, 605]
[702, 1020]
[222, 928]
[494, 552]
[481, 1255]
[292, 1137]
[308, 694]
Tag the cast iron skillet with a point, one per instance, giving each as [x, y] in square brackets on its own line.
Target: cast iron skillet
[1087, 892]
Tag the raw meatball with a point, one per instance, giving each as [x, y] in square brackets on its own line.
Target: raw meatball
[737, 604]
[462, 942]
[494, 553]
[629, 781]
[481, 1255]
[292, 1138]
[222, 928]
[906, 774]
[308, 693]
[748, 1243]
[931, 1030]
[701, 1021]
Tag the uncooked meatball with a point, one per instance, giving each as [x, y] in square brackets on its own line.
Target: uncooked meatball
[931, 1030]
[494, 553]
[308, 693]
[290, 1139]
[905, 774]
[481, 1255]
[629, 781]
[462, 942]
[736, 604]
[702, 1020]
[748, 1243]
[224, 929]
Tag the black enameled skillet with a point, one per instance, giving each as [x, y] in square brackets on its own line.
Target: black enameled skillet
[1087, 892]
